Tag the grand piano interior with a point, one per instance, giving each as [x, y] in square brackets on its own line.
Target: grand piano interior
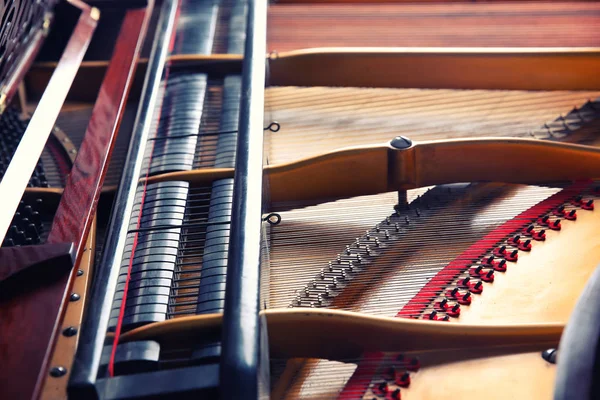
[299, 199]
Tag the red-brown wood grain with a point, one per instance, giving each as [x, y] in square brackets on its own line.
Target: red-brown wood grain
[31, 320]
[523, 24]
[30, 261]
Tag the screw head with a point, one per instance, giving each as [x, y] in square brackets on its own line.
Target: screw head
[75, 297]
[70, 331]
[550, 355]
[79, 272]
[401, 142]
[57, 372]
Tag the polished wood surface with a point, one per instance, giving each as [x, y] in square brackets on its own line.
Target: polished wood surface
[39, 314]
[475, 374]
[451, 68]
[465, 24]
[66, 343]
[365, 170]
[544, 284]
[316, 333]
[378, 169]
[29, 263]
[417, 67]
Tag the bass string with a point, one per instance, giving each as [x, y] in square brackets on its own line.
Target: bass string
[317, 120]
[423, 248]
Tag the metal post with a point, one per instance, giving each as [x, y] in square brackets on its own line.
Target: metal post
[241, 330]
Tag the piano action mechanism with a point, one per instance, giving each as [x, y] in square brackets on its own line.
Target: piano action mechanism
[303, 199]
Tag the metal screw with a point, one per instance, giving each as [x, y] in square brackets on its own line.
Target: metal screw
[75, 297]
[57, 372]
[79, 272]
[400, 142]
[550, 355]
[70, 331]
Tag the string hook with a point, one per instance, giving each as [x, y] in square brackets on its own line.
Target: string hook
[273, 127]
[273, 219]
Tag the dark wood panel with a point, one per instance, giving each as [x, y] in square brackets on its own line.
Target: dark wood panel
[30, 320]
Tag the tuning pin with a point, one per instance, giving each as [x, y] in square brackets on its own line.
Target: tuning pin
[465, 281]
[402, 379]
[501, 266]
[525, 246]
[465, 299]
[37, 220]
[530, 230]
[512, 256]
[435, 317]
[589, 205]
[383, 387]
[348, 251]
[319, 299]
[476, 287]
[377, 242]
[20, 238]
[499, 252]
[330, 266]
[571, 216]
[32, 232]
[540, 236]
